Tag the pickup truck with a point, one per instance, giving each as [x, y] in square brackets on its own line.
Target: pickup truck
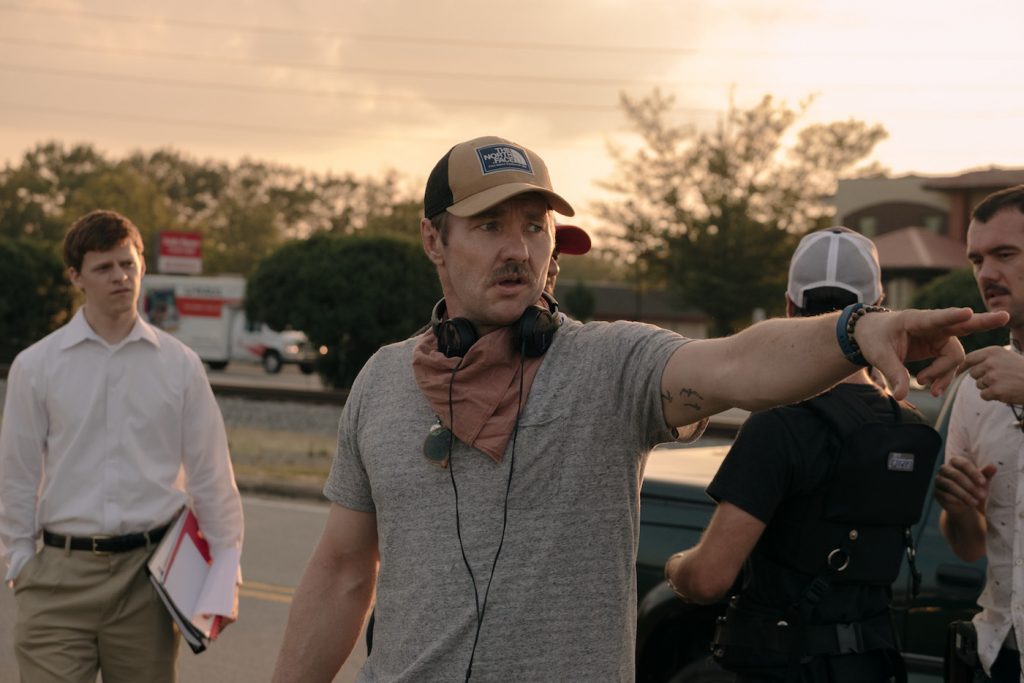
[673, 637]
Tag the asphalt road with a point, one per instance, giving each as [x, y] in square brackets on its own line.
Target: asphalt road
[253, 374]
[280, 535]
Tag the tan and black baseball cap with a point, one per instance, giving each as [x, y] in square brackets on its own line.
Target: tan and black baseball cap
[480, 173]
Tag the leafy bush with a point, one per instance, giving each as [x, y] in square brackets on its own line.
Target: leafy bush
[35, 297]
[351, 294]
[958, 289]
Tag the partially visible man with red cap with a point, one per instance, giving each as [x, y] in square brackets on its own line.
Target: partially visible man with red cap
[569, 239]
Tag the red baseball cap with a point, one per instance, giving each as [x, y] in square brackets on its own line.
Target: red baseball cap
[571, 239]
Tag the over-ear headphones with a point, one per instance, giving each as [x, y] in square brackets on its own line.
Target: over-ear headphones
[534, 331]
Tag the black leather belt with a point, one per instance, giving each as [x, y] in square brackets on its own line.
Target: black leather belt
[103, 545]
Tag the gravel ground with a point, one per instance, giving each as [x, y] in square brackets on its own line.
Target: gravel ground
[284, 416]
[306, 418]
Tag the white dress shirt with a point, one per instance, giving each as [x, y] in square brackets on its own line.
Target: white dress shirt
[987, 432]
[112, 439]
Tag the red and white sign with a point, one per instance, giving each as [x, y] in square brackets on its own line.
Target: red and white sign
[200, 308]
[180, 253]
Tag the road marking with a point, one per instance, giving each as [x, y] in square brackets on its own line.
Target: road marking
[320, 508]
[269, 587]
[267, 592]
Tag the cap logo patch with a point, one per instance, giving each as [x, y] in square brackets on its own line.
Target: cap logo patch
[497, 158]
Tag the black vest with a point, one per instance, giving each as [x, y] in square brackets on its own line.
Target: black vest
[853, 525]
[851, 530]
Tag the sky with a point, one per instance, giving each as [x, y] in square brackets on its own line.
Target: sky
[367, 86]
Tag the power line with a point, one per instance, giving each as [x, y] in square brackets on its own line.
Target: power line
[454, 41]
[293, 90]
[178, 121]
[311, 66]
[364, 37]
[77, 113]
[236, 126]
[459, 76]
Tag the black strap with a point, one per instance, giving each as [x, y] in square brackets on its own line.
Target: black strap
[105, 544]
[915, 573]
[800, 613]
[858, 637]
[776, 638]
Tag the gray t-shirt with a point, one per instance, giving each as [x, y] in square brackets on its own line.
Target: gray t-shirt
[562, 605]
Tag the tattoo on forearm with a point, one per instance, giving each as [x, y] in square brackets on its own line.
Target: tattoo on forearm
[684, 393]
[690, 393]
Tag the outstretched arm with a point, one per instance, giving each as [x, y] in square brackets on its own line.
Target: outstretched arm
[782, 361]
[704, 573]
[332, 599]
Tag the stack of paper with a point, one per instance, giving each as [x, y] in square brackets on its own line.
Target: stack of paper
[196, 590]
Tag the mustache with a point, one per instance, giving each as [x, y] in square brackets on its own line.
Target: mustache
[993, 290]
[511, 271]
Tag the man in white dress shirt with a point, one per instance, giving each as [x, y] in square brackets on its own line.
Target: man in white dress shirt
[979, 486]
[100, 419]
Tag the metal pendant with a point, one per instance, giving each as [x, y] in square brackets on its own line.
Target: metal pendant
[438, 445]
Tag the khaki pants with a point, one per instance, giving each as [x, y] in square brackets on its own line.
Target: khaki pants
[79, 612]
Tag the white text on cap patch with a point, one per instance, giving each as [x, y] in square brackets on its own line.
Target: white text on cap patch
[497, 158]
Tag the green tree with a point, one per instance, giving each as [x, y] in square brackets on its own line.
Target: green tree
[579, 301]
[598, 265]
[34, 195]
[35, 296]
[131, 193]
[959, 289]
[351, 294]
[716, 213]
[243, 211]
[401, 221]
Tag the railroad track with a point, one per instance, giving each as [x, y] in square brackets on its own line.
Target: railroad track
[262, 393]
[290, 394]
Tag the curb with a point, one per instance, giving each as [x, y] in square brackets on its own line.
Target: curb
[281, 488]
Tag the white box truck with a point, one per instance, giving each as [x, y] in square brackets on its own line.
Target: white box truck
[205, 312]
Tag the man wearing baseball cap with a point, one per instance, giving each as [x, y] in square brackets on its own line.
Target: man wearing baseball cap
[569, 239]
[779, 512]
[485, 488]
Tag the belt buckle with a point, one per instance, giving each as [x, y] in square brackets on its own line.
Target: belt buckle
[95, 550]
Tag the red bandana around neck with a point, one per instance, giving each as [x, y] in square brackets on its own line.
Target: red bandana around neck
[485, 394]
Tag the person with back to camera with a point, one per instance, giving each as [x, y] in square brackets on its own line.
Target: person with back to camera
[806, 507]
[492, 465]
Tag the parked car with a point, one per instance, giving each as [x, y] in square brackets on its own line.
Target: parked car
[673, 637]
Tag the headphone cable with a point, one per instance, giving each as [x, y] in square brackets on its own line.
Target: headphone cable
[482, 609]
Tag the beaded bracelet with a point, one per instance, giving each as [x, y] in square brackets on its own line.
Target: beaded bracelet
[668, 578]
[845, 326]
